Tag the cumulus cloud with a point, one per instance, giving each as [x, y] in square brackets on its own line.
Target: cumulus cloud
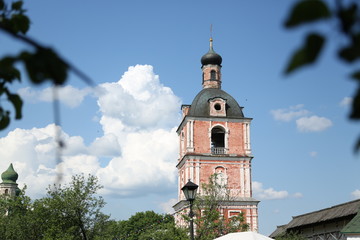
[346, 101]
[288, 114]
[313, 124]
[356, 194]
[313, 153]
[304, 122]
[167, 207]
[297, 195]
[271, 193]
[68, 95]
[267, 194]
[135, 155]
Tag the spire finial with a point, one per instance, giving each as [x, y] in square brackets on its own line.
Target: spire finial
[211, 39]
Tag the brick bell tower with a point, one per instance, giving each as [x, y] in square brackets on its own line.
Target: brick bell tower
[215, 138]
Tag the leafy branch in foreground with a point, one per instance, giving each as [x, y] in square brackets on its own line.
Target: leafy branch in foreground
[346, 16]
[42, 64]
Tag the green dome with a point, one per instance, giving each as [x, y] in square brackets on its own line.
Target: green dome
[9, 176]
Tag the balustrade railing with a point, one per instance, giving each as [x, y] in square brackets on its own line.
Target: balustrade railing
[218, 150]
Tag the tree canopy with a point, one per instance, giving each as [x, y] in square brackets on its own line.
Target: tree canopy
[71, 211]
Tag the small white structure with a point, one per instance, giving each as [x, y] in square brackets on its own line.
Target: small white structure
[243, 236]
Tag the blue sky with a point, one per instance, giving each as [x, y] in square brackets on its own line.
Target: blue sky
[144, 57]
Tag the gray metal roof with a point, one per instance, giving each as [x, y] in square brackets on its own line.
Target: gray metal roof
[200, 104]
[337, 211]
[345, 210]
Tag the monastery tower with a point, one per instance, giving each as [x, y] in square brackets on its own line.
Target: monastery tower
[215, 138]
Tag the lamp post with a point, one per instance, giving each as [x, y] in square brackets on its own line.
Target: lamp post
[189, 191]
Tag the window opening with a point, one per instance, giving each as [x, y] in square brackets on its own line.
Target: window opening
[212, 75]
[217, 107]
[217, 141]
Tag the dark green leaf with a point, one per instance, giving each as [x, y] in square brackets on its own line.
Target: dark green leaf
[352, 52]
[307, 11]
[347, 17]
[356, 75]
[307, 54]
[17, 103]
[16, 5]
[2, 4]
[4, 119]
[7, 70]
[355, 111]
[44, 65]
[357, 146]
[20, 23]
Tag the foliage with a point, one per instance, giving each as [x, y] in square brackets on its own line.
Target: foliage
[150, 226]
[41, 64]
[209, 221]
[71, 212]
[346, 16]
[76, 208]
[290, 236]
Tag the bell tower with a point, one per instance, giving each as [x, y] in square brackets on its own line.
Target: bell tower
[214, 137]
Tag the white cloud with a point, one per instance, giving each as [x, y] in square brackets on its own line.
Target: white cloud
[267, 194]
[68, 95]
[356, 194]
[297, 195]
[138, 116]
[313, 124]
[167, 207]
[138, 100]
[313, 153]
[288, 114]
[270, 193]
[346, 101]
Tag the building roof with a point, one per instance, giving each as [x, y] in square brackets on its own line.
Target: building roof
[343, 210]
[337, 211]
[200, 105]
[353, 226]
[278, 231]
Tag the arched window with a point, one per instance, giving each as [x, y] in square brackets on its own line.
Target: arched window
[218, 140]
[212, 75]
[6, 191]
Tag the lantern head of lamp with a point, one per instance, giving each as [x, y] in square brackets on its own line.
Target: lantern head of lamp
[190, 190]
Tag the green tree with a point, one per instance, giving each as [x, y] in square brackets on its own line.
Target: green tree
[70, 212]
[150, 226]
[290, 236]
[16, 222]
[208, 220]
[74, 209]
[344, 19]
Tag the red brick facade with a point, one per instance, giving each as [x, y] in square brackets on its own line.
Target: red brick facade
[214, 137]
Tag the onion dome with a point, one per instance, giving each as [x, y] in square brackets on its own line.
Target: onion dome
[9, 176]
[211, 57]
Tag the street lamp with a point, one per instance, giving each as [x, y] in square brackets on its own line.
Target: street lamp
[189, 191]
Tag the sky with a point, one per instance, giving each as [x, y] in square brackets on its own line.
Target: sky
[144, 58]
